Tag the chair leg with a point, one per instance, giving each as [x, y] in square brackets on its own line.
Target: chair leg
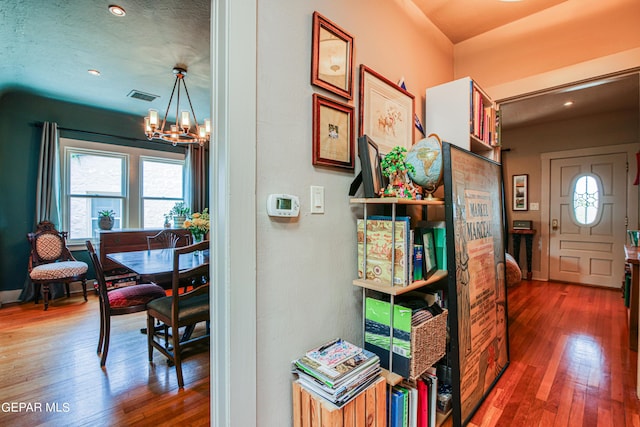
[107, 333]
[177, 357]
[45, 295]
[150, 334]
[66, 285]
[101, 340]
[84, 289]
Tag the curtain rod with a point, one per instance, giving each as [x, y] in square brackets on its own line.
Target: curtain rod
[128, 138]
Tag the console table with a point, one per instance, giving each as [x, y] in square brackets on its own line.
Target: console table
[528, 243]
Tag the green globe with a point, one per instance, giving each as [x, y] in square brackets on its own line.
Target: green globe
[426, 158]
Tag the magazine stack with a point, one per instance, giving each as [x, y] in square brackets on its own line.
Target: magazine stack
[337, 370]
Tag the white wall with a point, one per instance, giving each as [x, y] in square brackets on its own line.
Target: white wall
[305, 267]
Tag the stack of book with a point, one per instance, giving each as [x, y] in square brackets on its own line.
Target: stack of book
[337, 370]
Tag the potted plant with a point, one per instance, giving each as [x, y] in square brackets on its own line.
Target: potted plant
[395, 167]
[179, 211]
[167, 220]
[106, 219]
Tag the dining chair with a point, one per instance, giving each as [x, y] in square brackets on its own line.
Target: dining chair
[51, 262]
[118, 301]
[167, 239]
[181, 309]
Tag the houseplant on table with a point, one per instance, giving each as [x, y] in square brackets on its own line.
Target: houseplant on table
[106, 218]
[180, 211]
[198, 225]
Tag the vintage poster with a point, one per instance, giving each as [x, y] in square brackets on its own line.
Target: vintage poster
[474, 197]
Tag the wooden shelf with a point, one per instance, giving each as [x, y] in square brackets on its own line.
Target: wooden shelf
[395, 200]
[441, 418]
[399, 290]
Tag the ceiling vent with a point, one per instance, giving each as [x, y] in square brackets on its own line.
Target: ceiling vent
[142, 95]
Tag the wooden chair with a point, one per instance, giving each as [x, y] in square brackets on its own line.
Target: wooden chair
[167, 239]
[52, 262]
[180, 310]
[119, 301]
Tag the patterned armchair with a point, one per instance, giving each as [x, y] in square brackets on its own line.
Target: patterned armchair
[51, 262]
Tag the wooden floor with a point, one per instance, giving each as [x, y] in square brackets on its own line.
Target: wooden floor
[570, 361]
[570, 366]
[48, 363]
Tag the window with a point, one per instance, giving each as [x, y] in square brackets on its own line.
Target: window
[96, 183]
[587, 190]
[139, 185]
[162, 187]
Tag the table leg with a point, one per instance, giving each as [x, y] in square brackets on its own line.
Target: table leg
[516, 248]
[528, 242]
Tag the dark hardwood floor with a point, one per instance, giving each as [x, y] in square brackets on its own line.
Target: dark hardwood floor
[48, 363]
[570, 366]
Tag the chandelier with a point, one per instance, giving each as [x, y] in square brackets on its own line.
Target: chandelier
[180, 132]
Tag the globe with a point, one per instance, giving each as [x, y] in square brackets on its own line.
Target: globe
[426, 158]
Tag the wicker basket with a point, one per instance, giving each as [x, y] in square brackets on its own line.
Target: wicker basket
[428, 344]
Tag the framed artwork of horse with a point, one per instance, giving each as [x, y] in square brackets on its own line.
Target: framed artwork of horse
[386, 111]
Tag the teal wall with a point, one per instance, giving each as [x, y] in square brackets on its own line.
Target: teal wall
[20, 114]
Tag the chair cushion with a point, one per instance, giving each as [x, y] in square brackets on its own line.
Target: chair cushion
[134, 295]
[191, 309]
[58, 270]
[49, 246]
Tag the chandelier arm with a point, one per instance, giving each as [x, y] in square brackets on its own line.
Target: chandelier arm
[164, 121]
[190, 105]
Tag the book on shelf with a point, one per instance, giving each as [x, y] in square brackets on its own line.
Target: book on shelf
[397, 405]
[423, 404]
[432, 383]
[381, 248]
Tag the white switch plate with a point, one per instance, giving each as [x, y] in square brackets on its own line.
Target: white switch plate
[534, 206]
[317, 199]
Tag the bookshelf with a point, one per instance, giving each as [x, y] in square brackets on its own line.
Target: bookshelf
[391, 291]
[461, 113]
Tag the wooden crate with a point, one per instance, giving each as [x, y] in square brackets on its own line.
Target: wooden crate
[368, 409]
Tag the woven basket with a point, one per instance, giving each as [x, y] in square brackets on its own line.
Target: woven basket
[428, 344]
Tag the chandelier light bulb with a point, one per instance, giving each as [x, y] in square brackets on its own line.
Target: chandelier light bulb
[153, 118]
[185, 122]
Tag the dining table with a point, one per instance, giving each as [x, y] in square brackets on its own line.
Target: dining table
[156, 265]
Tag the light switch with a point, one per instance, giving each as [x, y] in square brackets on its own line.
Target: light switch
[317, 199]
[534, 206]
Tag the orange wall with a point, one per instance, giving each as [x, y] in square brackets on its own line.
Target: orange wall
[585, 38]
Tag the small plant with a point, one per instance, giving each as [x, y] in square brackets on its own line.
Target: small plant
[106, 213]
[180, 209]
[394, 162]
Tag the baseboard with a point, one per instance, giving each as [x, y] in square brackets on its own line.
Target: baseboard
[9, 297]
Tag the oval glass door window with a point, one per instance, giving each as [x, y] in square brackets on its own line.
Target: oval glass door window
[587, 190]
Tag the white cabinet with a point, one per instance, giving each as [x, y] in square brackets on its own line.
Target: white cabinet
[461, 113]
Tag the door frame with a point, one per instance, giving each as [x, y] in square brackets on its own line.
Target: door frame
[545, 203]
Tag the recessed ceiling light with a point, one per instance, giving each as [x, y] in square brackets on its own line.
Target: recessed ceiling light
[568, 104]
[93, 72]
[116, 10]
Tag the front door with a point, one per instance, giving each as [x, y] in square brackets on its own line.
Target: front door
[587, 213]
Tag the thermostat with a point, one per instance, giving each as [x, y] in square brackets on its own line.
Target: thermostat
[283, 205]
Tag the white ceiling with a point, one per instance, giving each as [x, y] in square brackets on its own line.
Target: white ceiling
[48, 46]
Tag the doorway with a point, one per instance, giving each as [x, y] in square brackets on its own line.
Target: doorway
[587, 248]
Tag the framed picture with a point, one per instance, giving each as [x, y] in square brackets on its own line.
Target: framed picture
[331, 57]
[333, 138]
[372, 179]
[520, 192]
[476, 279]
[429, 264]
[386, 111]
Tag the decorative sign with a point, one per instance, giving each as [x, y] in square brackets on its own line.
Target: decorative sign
[476, 246]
